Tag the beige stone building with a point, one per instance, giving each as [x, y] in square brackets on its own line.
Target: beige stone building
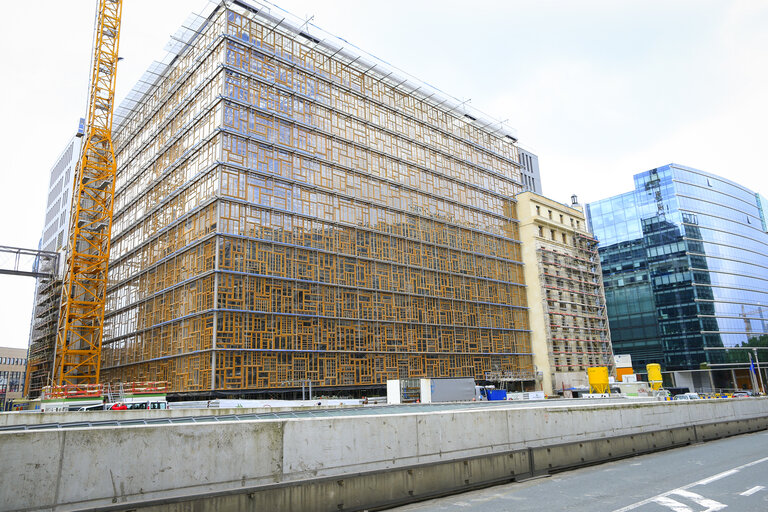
[569, 322]
[12, 365]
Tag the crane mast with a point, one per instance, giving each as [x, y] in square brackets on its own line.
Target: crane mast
[81, 317]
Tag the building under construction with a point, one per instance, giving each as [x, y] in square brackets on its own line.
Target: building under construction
[565, 293]
[45, 315]
[290, 210]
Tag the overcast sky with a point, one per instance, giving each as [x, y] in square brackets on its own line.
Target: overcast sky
[600, 90]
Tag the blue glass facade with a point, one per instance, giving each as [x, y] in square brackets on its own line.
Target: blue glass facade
[685, 266]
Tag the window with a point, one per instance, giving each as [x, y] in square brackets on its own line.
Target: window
[561, 219]
[538, 211]
[549, 212]
[541, 231]
[565, 240]
[552, 234]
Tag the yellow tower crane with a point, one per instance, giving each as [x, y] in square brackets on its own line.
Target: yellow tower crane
[81, 318]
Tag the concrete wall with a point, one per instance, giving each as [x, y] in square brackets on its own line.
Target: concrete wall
[340, 463]
[39, 418]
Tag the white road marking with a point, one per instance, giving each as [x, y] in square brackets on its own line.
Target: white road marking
[685, 487]
[698, 499]
[717, 477]
[487, 498]
[672, 504]
[750, 492]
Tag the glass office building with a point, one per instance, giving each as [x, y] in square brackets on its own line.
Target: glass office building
[289, 212]
[685, 266]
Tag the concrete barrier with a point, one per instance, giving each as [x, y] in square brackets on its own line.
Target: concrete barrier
[344, 462]
[38, 418]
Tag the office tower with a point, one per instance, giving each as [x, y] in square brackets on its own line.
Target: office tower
[685, 266]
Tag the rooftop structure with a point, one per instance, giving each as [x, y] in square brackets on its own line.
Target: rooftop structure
[530, 171]
[685, 264]
[289, 209]
[569, 323]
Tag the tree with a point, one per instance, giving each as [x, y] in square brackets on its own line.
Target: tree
[742, 356]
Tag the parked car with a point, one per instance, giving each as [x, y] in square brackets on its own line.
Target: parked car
[741, 394]
[687, 396]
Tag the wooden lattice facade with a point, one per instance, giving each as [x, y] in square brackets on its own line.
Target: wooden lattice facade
[286, 214]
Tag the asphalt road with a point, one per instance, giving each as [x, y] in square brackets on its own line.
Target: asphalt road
[730, 474]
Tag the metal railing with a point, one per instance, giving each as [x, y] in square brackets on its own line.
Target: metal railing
[28, 262]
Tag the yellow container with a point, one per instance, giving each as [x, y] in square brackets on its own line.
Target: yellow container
[654, 375]
[598, 379]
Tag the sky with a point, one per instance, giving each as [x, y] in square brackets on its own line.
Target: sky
[599, 90]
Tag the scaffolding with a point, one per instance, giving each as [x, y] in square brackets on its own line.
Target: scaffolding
[43, 329]
[287, 213]
[574, 304]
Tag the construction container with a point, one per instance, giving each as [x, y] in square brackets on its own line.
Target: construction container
[598, 379]
[654, 375]
[447, 390]
[623, 372]
[497, 394]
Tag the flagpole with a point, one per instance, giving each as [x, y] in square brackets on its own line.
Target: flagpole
[752, 371]
[759, 373]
